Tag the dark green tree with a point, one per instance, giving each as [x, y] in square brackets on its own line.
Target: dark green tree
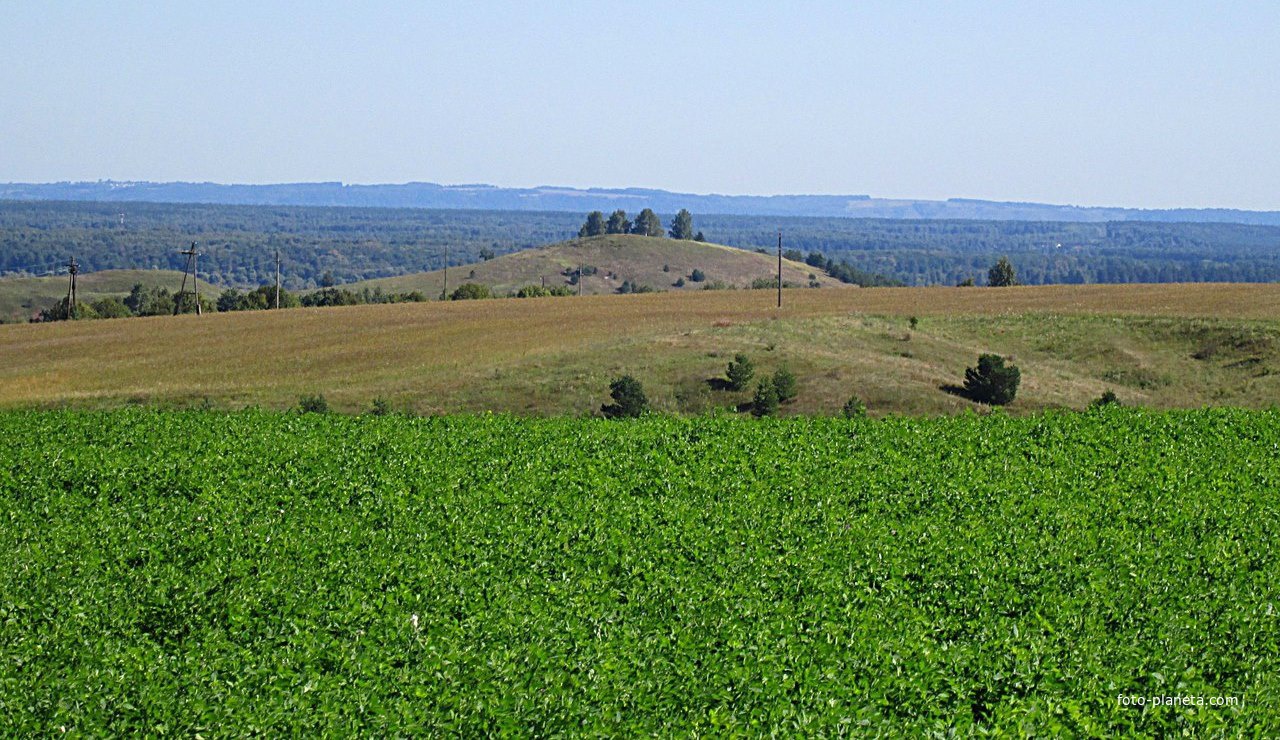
[740, 372]
[629, 400]
[315, 404]
[784, 382]
[699, 237]
[682, 225]
[854, 408]
[594, 226]
[618, 223]
[647, 224]
[1109, 398]
[110, 307]
[765, 402]
[992, 381]
[697, 276]
[1001, 274]
[470, 291]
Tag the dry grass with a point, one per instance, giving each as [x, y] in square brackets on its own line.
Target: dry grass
[1167, 345]
[639, 259]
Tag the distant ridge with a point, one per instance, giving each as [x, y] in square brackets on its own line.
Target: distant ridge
[553, 198]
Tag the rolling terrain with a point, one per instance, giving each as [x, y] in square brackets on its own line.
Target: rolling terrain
[1164, 346]
[20, 297]
[617, 258]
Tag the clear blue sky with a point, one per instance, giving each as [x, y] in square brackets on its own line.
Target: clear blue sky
[1149, 104]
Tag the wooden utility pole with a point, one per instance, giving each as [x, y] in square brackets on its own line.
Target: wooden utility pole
[277, 278]
[72, 269]
[444, 292]
[192, 269]
[779, 268]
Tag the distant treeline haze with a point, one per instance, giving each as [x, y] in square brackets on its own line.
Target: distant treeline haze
[239, 242]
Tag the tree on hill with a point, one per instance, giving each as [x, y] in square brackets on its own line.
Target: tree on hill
[470, 291]
[992, 381]
[1001, 274]
[740, 372]
[594, 226]
[697, 275]
[618, 223]
[784, 384]
[629, 400]
[765, 402]
[699, 237]
[682, 225]
[648, 224]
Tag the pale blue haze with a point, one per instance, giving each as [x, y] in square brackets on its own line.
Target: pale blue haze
[1141, 104]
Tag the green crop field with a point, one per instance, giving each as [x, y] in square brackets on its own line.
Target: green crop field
[258, 572]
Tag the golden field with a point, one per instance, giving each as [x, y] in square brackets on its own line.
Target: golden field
[1158, 345]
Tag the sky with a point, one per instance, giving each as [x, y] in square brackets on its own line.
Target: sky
[1138, 104]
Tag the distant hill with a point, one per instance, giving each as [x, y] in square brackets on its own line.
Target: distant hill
[640, 260]
[552, 198]
[21, 297]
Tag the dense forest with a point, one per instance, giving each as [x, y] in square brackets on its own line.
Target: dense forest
[238, 243]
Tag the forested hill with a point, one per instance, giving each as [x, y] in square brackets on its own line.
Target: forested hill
[551, 198]
[351, 244]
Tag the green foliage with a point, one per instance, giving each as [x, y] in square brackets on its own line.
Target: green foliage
[740, 372]
[795, 255]
[149, 301]
[992, 382]
[913, 322]
[313, 404]
[765, 401]
[618, 223]
[854, 408]
[1108, 398]
[359, 243]
[679, 283]
[647, 224]
[258, 573]
[697, 275]
[470, 291]
[629, 399]
[595, 225]
[1001, 274]
[784, 383]
[966, 283]
[699, 237]
[380, 407]
[682, 225]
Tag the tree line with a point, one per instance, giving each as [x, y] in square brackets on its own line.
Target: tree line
[239, 243]
[646, 223]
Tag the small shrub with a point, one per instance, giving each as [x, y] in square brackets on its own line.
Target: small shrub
[914, 322]
[470, 291]
[679, 283]
[315, 404]
[380, 407]
[1109, 398]
[992, 382]
[697, 276]
[629, 400]
[784, 384]
[765, 402]
[740, 372]
[854, 408]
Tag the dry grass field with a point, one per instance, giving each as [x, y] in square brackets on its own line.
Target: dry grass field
[617, 258]
[1158, 345]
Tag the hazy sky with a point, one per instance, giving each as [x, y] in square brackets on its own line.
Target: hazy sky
[1149, 104]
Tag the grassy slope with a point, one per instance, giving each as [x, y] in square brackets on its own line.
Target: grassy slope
[557, 355]
[639, 259]
[22, 297]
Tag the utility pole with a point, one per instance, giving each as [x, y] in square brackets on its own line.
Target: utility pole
[277, 278]
[193, 270]
[779, 268]
[72, 270]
